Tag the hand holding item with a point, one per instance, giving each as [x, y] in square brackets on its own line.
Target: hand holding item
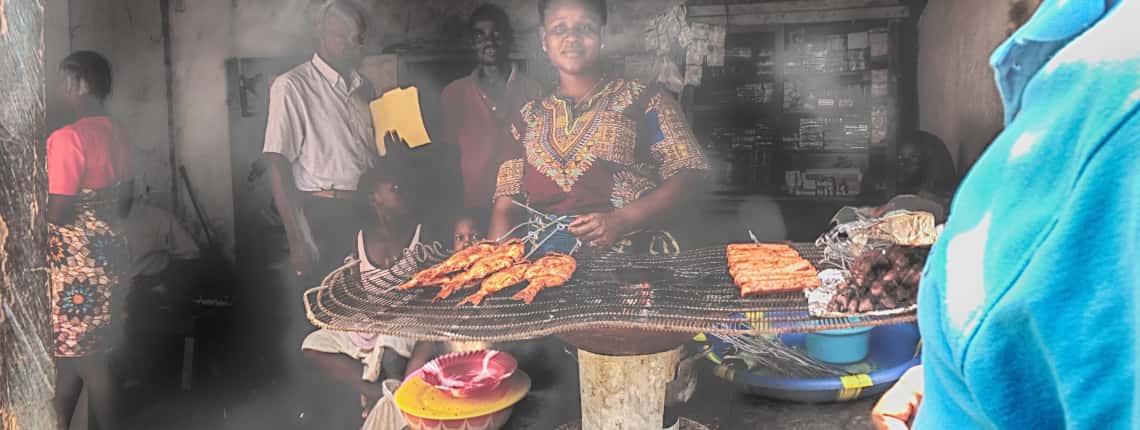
[394, 144]
[897, 408]
[399, 109]
[303, 251]
[300, 259]
[600, 229]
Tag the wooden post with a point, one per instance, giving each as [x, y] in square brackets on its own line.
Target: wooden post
[27, 373]
[625, 392]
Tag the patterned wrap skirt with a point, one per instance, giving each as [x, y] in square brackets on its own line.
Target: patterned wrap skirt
[89, 263]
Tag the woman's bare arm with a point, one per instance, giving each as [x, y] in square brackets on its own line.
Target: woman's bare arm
[503, 217]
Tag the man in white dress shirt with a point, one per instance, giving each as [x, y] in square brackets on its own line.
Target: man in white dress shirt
[318, 142]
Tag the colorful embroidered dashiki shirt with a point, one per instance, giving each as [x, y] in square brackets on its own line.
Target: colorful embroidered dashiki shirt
[601, 154]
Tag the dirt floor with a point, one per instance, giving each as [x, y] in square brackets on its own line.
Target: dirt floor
[224, 407]
[259, 398]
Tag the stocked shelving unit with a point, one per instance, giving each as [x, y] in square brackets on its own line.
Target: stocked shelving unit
[811, 100]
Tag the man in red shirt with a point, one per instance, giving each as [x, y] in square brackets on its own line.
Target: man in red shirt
[478, 108]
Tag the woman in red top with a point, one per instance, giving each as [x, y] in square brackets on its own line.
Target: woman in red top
[88, 196]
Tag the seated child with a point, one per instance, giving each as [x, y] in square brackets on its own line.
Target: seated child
[373, 365]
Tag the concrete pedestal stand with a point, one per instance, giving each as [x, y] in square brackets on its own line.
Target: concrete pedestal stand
[623, 374]
[625, 392]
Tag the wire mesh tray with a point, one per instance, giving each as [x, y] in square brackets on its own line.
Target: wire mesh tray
[687, 292]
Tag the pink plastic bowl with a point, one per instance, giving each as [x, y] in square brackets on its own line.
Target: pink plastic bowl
[465, 374]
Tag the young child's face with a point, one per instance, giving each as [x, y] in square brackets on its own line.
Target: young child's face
[466, 233]
[389, 199]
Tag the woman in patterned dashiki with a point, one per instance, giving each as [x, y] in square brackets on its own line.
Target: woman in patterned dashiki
[89, 196]
[613, 155]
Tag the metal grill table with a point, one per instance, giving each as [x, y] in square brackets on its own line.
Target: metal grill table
[623, 313]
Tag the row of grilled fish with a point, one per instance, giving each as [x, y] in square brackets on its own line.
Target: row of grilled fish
[494, 268]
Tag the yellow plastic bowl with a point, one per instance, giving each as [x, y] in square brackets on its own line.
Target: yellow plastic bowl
[428, 408]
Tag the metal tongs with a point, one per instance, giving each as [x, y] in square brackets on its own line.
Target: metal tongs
[543, 222]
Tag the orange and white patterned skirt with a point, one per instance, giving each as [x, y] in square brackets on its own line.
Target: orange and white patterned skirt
[88, 260]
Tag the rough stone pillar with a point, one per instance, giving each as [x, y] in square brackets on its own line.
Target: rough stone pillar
[625, 392]
[27, 373]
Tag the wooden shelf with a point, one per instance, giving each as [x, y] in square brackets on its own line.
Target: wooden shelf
[862, 74]
[737, 195]
[825, 112]
[838, 199]
[825, 150]
[736, 107]
[719, 108]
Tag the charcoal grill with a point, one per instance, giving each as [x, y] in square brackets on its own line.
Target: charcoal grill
[628, 316]
[690, 292]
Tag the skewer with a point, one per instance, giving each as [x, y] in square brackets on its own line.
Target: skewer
[524, 206]
[512, 231]
[559, 225]
[772, 354]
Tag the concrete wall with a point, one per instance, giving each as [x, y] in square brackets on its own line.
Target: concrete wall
[279, 27]
[140, 98]
[129, 34]
[200, 44]
[57, 44]
[958, 100]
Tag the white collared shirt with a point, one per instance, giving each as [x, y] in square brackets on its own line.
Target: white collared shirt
[315, 123]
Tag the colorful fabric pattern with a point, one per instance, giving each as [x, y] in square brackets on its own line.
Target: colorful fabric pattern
[510, 178]
[601, 153]
[88, 259]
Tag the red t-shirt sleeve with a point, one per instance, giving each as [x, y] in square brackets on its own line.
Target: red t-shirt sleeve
[65, 163]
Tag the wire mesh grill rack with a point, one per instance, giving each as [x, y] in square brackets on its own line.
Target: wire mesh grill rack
[687, 292]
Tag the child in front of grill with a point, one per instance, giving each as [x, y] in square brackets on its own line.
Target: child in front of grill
[371, 366]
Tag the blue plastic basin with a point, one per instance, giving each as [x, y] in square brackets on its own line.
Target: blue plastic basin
[844, 346]
[893, 349]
